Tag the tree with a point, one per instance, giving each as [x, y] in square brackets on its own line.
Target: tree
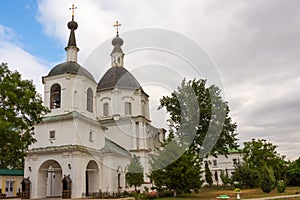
[176, 173]
[200, 118]
[225, 177]
[135, 176]
[293, 173]
[258, 153]
[267, 179]
[208, 175]
[20, 108]
[245, 176]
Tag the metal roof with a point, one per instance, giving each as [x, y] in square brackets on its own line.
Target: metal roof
[11, 172]
[70, 67]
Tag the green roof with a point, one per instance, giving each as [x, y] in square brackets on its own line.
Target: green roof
[11, 172]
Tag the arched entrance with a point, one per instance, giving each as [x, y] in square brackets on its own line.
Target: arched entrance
[92, 180]
[49, 179]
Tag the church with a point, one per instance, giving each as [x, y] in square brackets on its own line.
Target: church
[87, 141]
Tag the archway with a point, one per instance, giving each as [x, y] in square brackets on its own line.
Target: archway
[92, 180]
[49, 179]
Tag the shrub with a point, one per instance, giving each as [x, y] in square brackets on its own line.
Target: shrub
[281, 186]
[267, 179]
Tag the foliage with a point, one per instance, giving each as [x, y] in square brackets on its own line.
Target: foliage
[135, 176]
[199, 123]
[176, 172]
[293, 173]
[225, 177]
[281, 186]
[245, 176]
[208, 175]
[258, 153]
[200, 118]
[20, 108]
[267, 179]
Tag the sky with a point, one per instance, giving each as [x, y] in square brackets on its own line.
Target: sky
[254, 47]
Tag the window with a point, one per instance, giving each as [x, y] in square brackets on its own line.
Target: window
[119, 180]
[91, 136]
[144, 108]
[215, 163]
[127, 108]
[9, 186]
[105, 109]
[235, 161]
[52, 134]
[137, 131]
[89, 104]
[55, 96]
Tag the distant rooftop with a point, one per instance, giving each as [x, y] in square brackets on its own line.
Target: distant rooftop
[11, 172]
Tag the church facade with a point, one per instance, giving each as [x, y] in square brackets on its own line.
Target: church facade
[87, 141]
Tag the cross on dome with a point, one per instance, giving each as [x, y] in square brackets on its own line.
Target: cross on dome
[117, 24]
[73, 9]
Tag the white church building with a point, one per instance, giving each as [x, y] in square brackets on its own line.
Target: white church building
[87, 141]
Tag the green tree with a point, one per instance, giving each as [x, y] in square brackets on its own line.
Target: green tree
[135, 176]
[176, 173]
[245, 176]
[20, 108]
[225, 177]
[258, 153]
[200, 118]
[267, 179]
[208, 175]
[293, 173]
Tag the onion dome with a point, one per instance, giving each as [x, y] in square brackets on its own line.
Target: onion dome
[118, 77]
[117, 41]
[70, 67]
[72, 25]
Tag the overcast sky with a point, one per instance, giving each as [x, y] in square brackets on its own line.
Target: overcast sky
[254, 45]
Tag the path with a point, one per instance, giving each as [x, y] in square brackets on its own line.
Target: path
[276, 197]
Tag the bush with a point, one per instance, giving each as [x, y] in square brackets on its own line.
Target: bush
[267, 179]
[281, 186]
[165, 193]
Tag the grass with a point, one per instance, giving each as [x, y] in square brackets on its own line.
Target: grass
[209, 194]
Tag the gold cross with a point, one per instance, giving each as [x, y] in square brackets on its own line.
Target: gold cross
[73, 8]
[117, 26]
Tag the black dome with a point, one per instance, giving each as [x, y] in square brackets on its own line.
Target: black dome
[70, 67]
[118, 77]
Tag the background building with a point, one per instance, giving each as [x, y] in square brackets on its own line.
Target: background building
[10, 182]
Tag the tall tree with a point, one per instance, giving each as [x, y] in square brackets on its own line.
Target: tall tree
[135, 176]
[20, 108]
[258, 153]
[267, 179]
[200, 118]
[176, 173]
[208, 175]
[293, 173]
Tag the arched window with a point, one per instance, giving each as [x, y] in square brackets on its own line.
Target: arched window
[128, 108]
[143, 103]
[105, 110]
[55, 96]
[89, 97]
[119, 180]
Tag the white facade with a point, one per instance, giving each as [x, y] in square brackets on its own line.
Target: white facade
[86, 142]
[221, 163]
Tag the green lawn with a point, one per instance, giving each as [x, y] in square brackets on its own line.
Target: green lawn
[209, 194]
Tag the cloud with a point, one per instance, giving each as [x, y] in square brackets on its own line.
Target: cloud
[255, 45]
[12, 53]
